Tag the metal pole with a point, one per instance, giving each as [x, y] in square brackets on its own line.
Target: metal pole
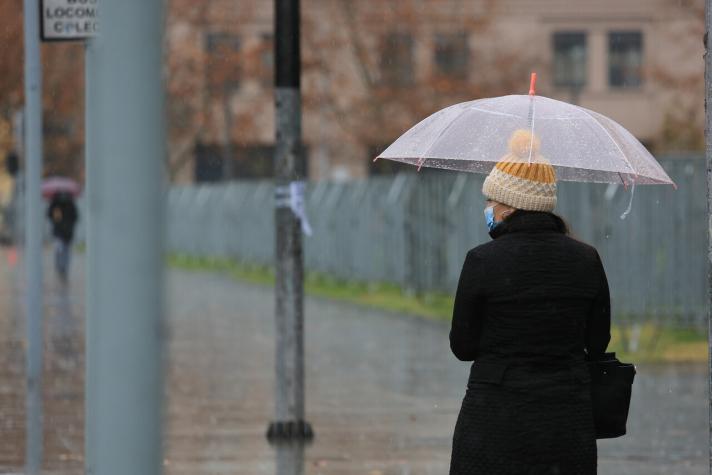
[289, 458]
[18, 129]
[125, 163]
[708, 150]
[90, 150]
[34, 213]
[289, 288]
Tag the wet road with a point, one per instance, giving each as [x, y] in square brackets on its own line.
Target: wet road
[383, 390]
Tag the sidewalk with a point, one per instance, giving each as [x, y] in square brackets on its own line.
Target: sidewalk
[383, 390]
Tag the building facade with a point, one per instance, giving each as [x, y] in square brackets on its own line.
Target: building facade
[373, 68]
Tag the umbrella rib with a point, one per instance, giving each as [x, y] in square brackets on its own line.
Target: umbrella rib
[495, 112]
[617, 146]
[531, 121]
[542, 117]
[442, 132]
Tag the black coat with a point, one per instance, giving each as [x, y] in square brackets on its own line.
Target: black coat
[63, 214]
[529, 305]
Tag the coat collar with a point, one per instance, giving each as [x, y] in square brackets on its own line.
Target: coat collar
[529, 222]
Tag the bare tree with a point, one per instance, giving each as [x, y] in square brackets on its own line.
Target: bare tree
[683, 114]
[383, 108]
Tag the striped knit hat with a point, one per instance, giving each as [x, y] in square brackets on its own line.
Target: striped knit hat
[521, 181]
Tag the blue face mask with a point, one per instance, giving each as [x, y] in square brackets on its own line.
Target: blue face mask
[489, 218]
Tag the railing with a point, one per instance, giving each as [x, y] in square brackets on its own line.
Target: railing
[414, 230]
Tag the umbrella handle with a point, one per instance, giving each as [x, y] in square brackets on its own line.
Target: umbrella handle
[532, 85]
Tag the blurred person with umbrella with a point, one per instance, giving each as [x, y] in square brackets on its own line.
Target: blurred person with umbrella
[59, 184]
[63, 215]
[532, 306]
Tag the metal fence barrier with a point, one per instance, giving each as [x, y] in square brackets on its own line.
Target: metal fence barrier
[414, 229]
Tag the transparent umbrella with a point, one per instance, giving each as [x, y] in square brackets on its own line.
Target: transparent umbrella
[581, 144]
[60, 184]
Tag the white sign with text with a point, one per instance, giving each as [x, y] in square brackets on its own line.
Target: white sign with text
[66, 20]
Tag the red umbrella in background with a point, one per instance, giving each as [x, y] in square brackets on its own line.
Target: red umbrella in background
[59, 184]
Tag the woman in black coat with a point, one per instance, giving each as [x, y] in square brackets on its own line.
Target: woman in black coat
[531, 305]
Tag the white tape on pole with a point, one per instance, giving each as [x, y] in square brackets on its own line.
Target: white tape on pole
[292, 197]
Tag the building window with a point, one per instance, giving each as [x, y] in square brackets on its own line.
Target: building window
[625, 59]
[222, 62]
[570, 58]
[251, 161]
[452, 55]
[397, 63]
[209, 163]
[267, 60]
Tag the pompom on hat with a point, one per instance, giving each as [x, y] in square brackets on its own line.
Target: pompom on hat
[522, 179]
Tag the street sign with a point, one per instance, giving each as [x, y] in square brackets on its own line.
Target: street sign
[69, 20]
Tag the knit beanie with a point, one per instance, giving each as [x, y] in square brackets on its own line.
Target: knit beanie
[522, 179]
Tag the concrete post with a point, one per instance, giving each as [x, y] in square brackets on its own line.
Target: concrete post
[34, 214]
[126, 153]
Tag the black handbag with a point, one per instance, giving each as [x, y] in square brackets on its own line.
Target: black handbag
[611, 384]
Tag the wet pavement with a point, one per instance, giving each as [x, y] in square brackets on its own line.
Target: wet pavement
[383, 390]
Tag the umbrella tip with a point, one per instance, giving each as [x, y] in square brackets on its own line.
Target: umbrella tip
[420, 163]
[532, 84]
[375, 160]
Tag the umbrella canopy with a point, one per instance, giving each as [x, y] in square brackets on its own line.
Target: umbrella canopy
[581, 144]
[58, 184]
